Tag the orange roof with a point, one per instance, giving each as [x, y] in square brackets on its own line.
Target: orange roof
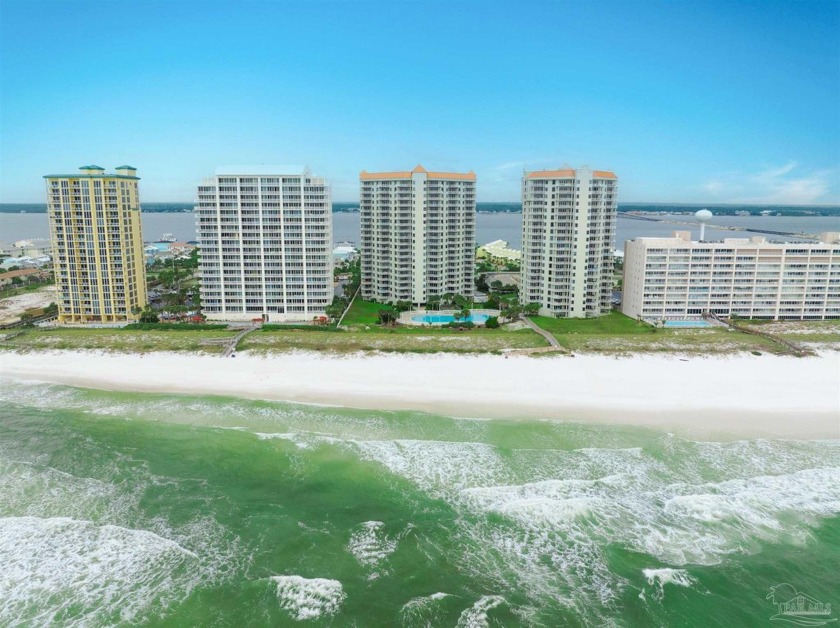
[568, 173]
[22, 272]
[368, 176]
[462, 176]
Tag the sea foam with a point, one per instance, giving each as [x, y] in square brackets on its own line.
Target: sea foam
[69, 572]
[370, 544]
[309, 598]
[477, 615]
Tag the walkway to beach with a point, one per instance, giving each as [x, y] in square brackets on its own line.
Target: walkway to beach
[230, 343]
[787, 345]
[549, 337]
[231, 347]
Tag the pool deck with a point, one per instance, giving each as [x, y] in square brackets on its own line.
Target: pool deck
[405, 317]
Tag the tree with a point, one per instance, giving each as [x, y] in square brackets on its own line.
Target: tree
[387, 316]
[496, 285]
[148, 315]
[511, 311]
[336, 308]
[532, 309]
[481, 283]
[433, 303]
[492, 322]
[403, 306]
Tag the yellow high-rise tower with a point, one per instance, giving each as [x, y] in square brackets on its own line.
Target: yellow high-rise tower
[97, 245]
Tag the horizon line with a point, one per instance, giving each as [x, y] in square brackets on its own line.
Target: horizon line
[827, 205]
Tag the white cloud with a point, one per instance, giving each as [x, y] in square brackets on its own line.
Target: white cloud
[779, 185]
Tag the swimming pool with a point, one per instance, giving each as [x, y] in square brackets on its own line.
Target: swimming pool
[687, 324]
[444, 319]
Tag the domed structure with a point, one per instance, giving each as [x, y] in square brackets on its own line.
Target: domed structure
[704, 215]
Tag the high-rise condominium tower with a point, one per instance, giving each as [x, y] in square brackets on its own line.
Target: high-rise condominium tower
[568, 231]
[265, 242]
[418, 234]
[97, 245]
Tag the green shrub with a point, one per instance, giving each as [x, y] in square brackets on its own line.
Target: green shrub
[277, 327]
[492, 322]
[173, 327]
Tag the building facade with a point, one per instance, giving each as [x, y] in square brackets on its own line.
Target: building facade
[676, 278]
[97, 245]
[417, 235]
[265, 246]
[568, 234]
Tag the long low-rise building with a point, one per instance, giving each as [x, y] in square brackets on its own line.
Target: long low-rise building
[677, 278]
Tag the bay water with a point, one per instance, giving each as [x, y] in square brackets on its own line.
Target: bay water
[175, 510]
[489, 226]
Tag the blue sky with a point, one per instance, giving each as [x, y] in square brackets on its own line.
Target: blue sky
[686, 101]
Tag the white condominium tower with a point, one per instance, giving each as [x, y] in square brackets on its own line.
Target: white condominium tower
[265, 242]
[97, 245]
[417, 234]
[568, 231]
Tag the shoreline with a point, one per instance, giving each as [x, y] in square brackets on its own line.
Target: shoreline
[720, 397]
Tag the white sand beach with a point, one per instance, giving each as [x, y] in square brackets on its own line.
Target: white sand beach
[758, 396]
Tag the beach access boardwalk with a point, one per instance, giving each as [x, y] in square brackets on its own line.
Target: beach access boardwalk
[231, 343]
[552, 341]
[790, 347]
[553, 344]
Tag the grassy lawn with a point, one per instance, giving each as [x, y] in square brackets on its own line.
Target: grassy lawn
[362, 313]
[400, 339]
[128, 341]
[613, 323]
[619, 334]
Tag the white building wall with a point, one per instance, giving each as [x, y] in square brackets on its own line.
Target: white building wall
[675, 278]
[265, 246]
[568, 234]
[417, 235]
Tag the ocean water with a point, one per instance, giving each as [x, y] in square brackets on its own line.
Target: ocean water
[167, 510]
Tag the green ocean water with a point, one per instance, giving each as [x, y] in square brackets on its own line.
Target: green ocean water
[167, 510]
